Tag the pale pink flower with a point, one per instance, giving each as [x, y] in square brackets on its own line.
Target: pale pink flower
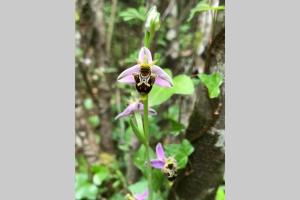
[145, 60]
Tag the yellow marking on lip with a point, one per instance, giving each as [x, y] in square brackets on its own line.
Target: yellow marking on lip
[146, 64]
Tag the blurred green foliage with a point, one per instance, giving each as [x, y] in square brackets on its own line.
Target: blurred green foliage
[220, 193]
[133, 14]
[108, 180]
[180, 151]
[203, 6]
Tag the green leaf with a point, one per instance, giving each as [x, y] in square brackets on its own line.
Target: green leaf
[187, 147]
[101, 175]
[138, 187]
[80, 179]
[183, 85]
[139, 158]
[83, 188]
[213, 83]
[88, 103]
[220, 193]
[159, 95]
[132, 13]
[180, 152]
[87, 191]
[203, 6]
[117, 196]
[94, 120]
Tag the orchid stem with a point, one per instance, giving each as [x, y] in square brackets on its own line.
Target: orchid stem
[146, 131]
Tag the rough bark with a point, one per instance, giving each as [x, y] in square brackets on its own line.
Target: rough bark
[93, 43]
[204, 173]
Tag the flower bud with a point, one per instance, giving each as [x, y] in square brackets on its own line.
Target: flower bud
[152, 21]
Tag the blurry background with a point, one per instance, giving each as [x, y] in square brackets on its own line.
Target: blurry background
[190, 41]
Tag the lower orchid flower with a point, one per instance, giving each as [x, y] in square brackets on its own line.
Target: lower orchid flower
[167, 165]
[134, 107]
[145, 73]
[141, 196]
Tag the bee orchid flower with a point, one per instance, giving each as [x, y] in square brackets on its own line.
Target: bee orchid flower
[167, 165]
[134, 107]
[145, 73]
[141, 196]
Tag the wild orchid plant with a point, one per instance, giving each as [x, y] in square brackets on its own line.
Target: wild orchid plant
[144, 75]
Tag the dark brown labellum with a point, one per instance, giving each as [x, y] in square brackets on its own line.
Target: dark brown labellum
[144, 82]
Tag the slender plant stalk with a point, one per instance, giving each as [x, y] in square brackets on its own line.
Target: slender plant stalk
[111, 26]
[146, 131]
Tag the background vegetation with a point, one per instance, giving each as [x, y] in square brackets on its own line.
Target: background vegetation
[190, 122]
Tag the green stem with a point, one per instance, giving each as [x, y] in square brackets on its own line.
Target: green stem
[146, 131]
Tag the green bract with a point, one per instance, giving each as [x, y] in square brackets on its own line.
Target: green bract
[152, 21]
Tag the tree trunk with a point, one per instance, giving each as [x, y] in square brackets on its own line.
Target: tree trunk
[93, 43]
[204, 172]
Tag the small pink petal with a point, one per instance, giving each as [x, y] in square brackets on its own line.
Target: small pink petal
[133, 107]
[162, 82]
[129, 71]
[127, 79]
[161, 73]
[145, 54]
[159, 164]
[160, 153]
[128, 111]
[142, 196]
